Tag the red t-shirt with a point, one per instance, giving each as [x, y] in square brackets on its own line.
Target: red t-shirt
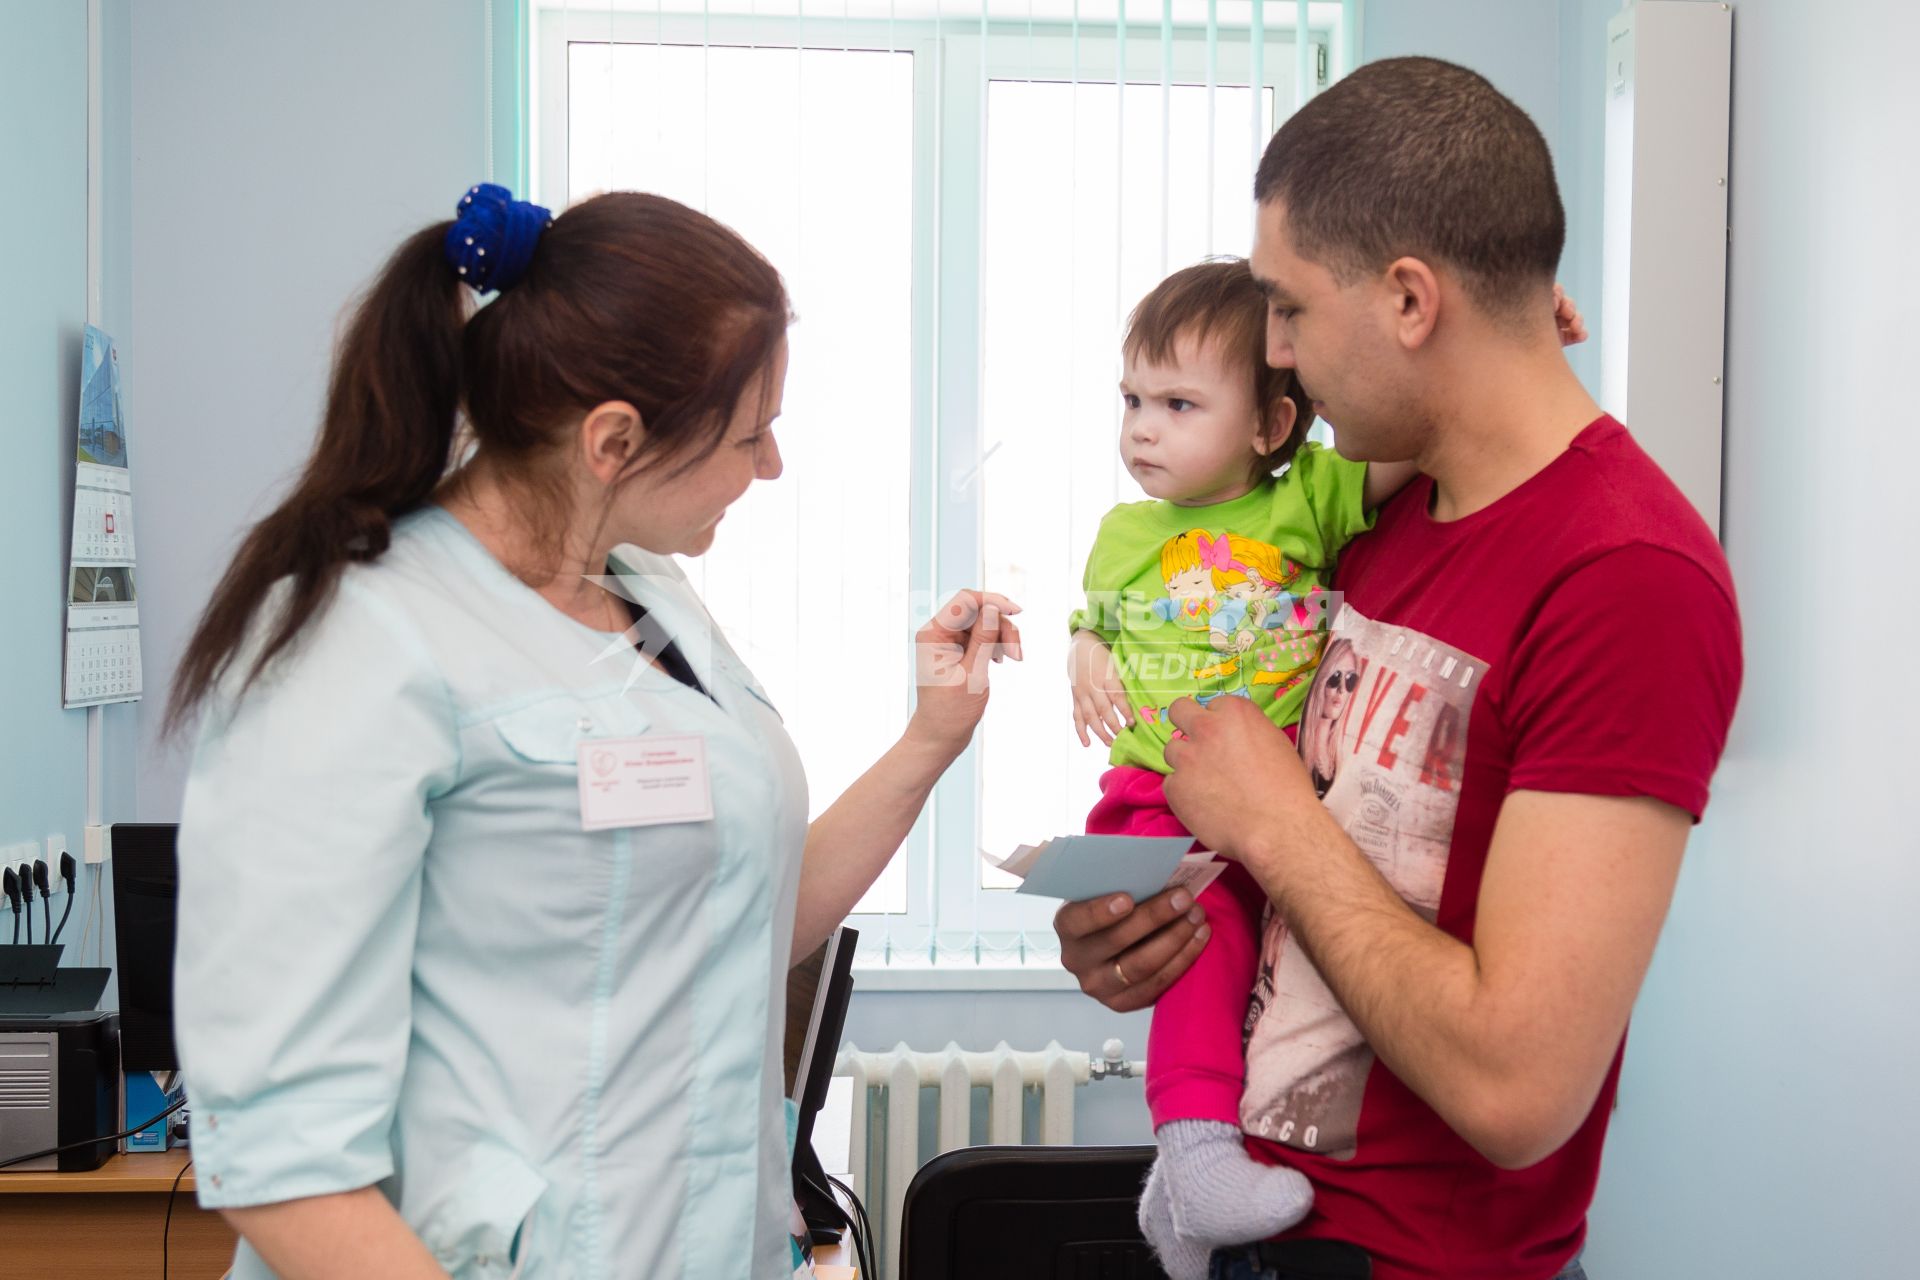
[1580, 634]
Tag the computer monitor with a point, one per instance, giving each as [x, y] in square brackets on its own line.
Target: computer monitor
[145, 883]
[814, 1072]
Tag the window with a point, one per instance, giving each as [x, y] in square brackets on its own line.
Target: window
[964, 209]
[817, 173]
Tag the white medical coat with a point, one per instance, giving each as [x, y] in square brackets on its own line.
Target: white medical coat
[403, 962]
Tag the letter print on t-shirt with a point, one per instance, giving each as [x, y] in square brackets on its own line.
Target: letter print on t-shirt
[1384, 738]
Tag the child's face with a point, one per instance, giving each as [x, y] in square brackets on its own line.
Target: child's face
[1190, 426]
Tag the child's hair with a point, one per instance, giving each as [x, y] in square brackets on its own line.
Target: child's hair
[1219, 299]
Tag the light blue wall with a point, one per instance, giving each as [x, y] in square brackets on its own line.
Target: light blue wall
[1514, 43]
[258, 162]
[1579, 151]
[43, 221]
[43, 77]
[280, 153]
[1523, 47]
[120, 745]
[1768, 1115]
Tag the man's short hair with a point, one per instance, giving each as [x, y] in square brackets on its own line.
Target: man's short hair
[1415, 157]
[1220, 301]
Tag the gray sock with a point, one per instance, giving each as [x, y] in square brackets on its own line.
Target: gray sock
[1218, 1193]
[1180, 1258]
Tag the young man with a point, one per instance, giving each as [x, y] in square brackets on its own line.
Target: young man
[1545, 654]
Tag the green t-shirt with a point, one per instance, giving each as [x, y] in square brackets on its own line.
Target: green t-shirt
[1224, 600]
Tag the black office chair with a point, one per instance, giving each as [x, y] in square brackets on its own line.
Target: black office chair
[1028, 1213]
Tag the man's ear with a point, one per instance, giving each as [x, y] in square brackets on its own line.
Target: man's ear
[1414, 291]
[1279, 427]
[611, 436]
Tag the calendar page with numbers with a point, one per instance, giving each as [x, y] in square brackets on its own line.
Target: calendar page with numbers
[103, 611]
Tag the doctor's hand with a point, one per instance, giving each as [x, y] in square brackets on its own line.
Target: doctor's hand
[952, 655]
[1220, 751]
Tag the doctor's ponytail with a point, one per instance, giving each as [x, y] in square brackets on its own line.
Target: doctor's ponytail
[382, 450]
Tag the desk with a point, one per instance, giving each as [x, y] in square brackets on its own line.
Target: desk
[108, 1224]
[836, 1261]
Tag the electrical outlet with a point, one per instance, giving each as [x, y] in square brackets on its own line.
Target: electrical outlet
[97, 849]
[21, 858]
[56, 845]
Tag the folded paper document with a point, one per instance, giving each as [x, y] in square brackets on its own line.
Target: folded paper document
[1080, 867]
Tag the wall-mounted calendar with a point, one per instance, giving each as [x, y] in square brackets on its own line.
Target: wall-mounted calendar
[103, 611]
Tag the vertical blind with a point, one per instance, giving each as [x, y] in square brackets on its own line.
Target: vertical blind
[965, 198]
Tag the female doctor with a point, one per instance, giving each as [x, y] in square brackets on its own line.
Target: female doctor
[491, 875]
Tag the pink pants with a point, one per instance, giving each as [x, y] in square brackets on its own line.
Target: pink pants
[1196, 1059]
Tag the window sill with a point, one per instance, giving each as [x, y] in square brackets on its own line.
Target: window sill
[961, 977]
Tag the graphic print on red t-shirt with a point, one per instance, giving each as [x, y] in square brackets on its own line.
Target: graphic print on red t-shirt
[1384, 737]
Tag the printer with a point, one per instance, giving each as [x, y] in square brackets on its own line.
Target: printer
[59, 1084]
[59, 1063]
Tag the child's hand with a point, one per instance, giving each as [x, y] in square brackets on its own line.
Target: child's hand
[1566, 315]
[1099, 699]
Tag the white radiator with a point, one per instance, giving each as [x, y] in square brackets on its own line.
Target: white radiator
[887, 1086]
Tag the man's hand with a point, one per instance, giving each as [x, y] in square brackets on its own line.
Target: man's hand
[1218, 747]
[1099, 699]
[1508, 1038]
[1126, 954]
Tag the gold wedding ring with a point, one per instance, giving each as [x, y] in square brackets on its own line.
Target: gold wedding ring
[1120, 973]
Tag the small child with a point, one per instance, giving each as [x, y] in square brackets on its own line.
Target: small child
[1215, 588]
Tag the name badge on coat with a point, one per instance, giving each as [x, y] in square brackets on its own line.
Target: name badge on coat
[647, 781]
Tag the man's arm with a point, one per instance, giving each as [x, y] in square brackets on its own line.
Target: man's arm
[1507, 1036]
[1510, 1038]
[1507, 1039]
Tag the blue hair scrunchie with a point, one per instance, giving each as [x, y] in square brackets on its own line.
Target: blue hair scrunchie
[492, 240]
